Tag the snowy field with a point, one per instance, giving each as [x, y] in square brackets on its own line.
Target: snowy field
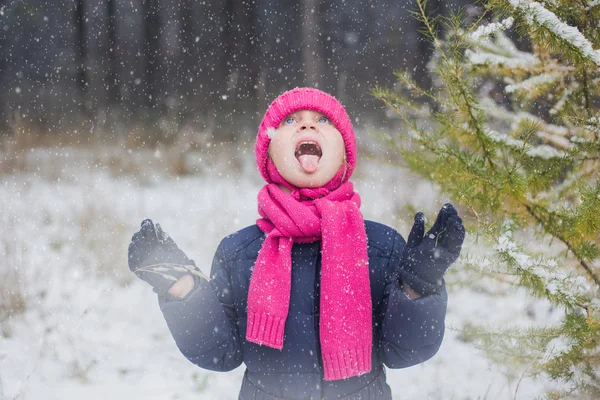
[90, 330]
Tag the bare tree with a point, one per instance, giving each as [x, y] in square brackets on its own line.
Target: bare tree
[241, 49]
[199, 59]
[151, 47]
[281, 47]
[4, 126]
[188, 64]
[312, 47]
[81, 55]
[112, 78]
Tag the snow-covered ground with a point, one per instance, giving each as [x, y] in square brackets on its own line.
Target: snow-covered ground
[90, 330]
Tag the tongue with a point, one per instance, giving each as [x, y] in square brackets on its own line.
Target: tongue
[309, 162]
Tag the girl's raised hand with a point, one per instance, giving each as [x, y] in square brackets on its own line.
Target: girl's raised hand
[155, 258]
[426, 257]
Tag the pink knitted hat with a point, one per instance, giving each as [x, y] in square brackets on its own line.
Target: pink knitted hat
[303, 99]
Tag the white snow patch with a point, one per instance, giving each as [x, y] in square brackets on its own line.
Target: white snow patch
[558, 346]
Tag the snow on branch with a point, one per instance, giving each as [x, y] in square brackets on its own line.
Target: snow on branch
[533, 82]
[486, 30]
[558, 346]
[499, 51]
[542, 151]
[593, 4]
[485, 58]
[557, 130]
[558, 284]
[593, 124]
[562, 101]
[559, 136]
[537, 13]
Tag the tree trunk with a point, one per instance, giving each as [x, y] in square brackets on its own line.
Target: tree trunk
[4, 126]
[112, 78]
[242, 49]
[151, 49]
[281, 47]
[312, 48]
[188, 64]
[81, 56]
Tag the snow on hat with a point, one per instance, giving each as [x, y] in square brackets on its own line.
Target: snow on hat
[304, 99]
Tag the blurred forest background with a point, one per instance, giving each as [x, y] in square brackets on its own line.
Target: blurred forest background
[101, 67]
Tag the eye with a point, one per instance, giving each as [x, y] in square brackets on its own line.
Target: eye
[289, 120]
[323, 119]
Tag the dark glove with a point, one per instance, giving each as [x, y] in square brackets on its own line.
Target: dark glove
[426, 258]
[155, 258]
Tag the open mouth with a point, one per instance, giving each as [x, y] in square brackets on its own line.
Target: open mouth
[308, 154]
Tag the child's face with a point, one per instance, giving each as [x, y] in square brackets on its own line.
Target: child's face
[307, 149]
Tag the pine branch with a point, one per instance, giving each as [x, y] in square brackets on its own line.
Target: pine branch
[534, 162]
[560, 237]
[547, 25]
[528, 151]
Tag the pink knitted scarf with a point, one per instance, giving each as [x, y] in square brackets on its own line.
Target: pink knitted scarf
[304, 216]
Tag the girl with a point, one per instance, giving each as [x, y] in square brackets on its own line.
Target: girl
[314, 300]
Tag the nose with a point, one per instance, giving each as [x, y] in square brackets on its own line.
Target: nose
[308, 125]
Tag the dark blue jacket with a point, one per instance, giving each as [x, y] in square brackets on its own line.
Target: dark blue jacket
[209, 324]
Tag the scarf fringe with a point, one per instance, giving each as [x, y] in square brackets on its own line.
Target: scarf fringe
[265, 329]
[341, 364]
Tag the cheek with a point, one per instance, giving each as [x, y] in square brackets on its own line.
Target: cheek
[339, 147]
[278, 152]
[274, 149]
[278, 141]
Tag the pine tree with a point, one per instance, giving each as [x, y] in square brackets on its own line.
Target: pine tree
[512, 133]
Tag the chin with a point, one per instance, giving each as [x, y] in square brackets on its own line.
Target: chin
[308, 181]
[310, 185]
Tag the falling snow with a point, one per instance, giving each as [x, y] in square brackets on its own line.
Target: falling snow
[80, 325]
